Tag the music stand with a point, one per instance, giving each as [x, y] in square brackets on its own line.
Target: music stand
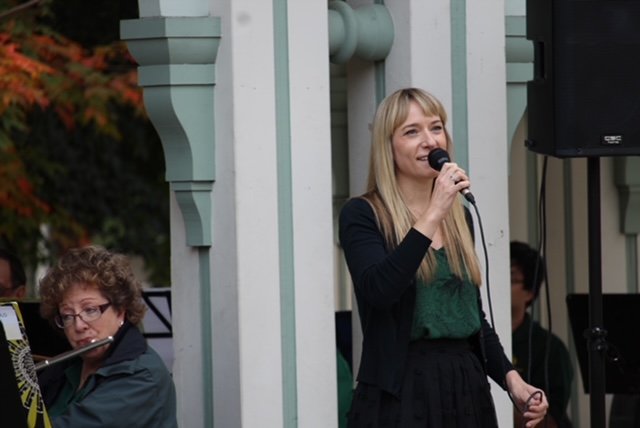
[44, 339]
[621, 317]
[157, 328]
[13, 414]
[18, 374]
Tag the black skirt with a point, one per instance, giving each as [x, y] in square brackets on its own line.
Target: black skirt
[444, 386]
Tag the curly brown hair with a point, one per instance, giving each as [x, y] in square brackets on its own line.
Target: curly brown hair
[110, 272]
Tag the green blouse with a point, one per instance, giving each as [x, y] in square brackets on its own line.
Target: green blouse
[447, 307]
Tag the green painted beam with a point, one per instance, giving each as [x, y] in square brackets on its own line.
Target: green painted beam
[365, 32]
[177, 73]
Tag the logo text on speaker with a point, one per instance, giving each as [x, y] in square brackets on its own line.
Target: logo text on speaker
[611, 140]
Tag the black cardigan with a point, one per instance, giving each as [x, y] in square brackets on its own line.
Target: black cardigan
[385, 289]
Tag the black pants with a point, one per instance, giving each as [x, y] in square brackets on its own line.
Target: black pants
[444, 386]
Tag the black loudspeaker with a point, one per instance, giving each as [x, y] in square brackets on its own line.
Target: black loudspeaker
[584, 99]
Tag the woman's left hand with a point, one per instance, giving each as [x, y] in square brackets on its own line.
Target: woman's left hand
[531, 401]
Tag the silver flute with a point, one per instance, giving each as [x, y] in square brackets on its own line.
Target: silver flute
[74, 352]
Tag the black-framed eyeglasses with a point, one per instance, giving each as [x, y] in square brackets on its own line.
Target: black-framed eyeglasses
[88, 314]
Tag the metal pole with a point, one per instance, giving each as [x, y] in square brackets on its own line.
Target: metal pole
[596, 335]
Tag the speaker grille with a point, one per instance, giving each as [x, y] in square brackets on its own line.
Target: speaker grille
[585, 96]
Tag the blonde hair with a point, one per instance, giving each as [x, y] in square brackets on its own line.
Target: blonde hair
[393, 216]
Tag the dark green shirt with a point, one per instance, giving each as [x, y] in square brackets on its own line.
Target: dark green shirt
[69, 392]
[446, 307]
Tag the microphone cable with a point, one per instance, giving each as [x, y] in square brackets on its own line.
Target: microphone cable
[491, 317]
[437, 158]
[486, 263]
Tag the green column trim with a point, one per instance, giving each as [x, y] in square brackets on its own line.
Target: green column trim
[460, 117]
[206, 335]
[177, 72]
[519, 57]
[189, 40]
[194, 200]
[285, 215]
[517, 48]
[365, 32]
[627, 179]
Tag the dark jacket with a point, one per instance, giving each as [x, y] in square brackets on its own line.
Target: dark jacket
[133, 388]
[385, 289]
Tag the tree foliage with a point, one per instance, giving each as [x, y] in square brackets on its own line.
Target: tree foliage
[79, 160]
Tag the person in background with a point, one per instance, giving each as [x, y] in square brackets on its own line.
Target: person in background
[13, 280]
[427, 348]
[43, 342]
[554, 371]
[91, 294]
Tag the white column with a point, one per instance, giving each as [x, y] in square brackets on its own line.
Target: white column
[421, 53]
[265, 106]
[488, 162]
[246, 123]
[312, 214]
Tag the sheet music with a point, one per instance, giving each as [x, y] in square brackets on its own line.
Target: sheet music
[10, 323]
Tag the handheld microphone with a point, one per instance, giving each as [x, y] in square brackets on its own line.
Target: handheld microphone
[437, 158]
